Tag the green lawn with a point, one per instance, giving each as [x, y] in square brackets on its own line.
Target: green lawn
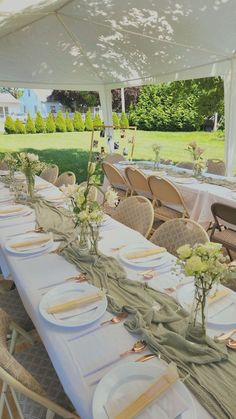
[70, 150]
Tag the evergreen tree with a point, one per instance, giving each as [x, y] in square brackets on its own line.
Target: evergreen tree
[60, 122]
[115, 119]
[88, 121]
[50, 124]
[124, 122]
[69, 123]
[9, 125]
[29, 126]
[78, 122]
[97, 122]
[39, 123]
[19, 127]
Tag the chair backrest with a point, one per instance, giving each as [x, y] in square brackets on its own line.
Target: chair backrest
[113, 158]
[166, 161]
[137, 181]
[165, 192]
[222, 212]
[3, 165]
[66, 178]
[114, 176]
[93, 192]
[175, 233]
[216, 166]
[137, 213]
[50, 174]
[185, 165]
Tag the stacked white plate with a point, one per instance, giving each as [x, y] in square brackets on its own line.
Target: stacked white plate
[11, 211]
[184, 180]
[160, 260]
[25, 248]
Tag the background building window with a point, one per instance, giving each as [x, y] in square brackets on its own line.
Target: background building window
[35, 108]
[28, 92]
[6, 110]
[1, 112]
[53, 108]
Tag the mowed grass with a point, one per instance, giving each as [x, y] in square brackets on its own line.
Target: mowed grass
[70, 150]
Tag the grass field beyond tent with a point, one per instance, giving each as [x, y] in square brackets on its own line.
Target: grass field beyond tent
[70, 150]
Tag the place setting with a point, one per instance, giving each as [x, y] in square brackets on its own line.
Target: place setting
[145, 257]
[14, 210]
[29, 244]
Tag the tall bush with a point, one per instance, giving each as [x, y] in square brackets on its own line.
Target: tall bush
[97, 122]
[69, 123]
[124, 122]
[78, 122]
[88, 121]
[29, 126]
[50, 124]
[9, 125]
[60, 122]
[39, 123]
[19, 127]
[115, 119]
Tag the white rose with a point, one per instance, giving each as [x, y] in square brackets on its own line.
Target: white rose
[32, 157]
[111, 197]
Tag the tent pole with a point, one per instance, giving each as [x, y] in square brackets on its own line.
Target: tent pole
[106, 104]
[230, 120]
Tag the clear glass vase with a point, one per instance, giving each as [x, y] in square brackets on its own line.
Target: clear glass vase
[84, 239]
[199, 310]
[94, 239]
[30, 185]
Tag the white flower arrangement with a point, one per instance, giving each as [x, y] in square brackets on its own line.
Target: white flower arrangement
[29, 163]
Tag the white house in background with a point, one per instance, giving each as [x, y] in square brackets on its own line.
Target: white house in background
[8, 105]
[36, 100]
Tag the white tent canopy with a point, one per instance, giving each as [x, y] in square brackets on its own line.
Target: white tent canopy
[104, 44]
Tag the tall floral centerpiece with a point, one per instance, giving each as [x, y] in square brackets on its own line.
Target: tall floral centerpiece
[206, 263]
[30, 165]
[12, 165]
[156, 148]
[196, 153]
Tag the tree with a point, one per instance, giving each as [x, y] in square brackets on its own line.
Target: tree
[50, 124]
[29, 126]
[39, 123]
[73, 99]
[124, 122]
[9, 125]
[88, 121]
[13, 91]
[131, 98]
[19, 127]
[60, 122]
[115, 119]
[97, 122]
[78, 122]
[69, 123]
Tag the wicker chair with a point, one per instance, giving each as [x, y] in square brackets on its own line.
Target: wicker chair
[3, 165]
[113, 158]
[137, 213]
[93, 192]
[115, 178]
[137, 181]
[24, 376]
[165, 195]
[66, 178]
[50, 174]
[185, 165]
[222, 233]
[177, 232]
[216, 167]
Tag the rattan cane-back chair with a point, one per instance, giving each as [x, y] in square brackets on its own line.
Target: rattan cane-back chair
[137, 181]
[216, 167]
[66, 178]
[116, 180]
[50, 174]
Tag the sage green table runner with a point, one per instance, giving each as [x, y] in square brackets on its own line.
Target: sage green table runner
[207, 368]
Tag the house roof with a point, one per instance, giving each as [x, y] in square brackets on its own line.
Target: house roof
[43, 94]
[8, 98]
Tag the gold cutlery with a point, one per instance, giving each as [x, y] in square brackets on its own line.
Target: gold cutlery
[82, 277]
[231, 343]
[138, 346]
[225, 336]
[116, 319]
[145, 358]
[116, 249]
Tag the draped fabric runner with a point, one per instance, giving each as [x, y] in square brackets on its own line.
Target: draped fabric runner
[208, 369]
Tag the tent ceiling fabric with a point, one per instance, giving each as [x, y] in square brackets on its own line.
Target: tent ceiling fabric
[92, 43]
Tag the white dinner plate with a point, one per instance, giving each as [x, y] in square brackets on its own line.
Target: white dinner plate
[34, 249]
[152, 261]
[6, 197]
[126, 162]
[220, 313]
[77, 317]
[183, 180]
[4, 172]
[23, 210]
[122, 381]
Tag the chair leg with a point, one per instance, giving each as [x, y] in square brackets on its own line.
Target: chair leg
[3, 399]
[50, 414]
[229, 254]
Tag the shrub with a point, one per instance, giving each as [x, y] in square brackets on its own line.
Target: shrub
[39, 123]
[97, 122]
[78, 122]
[60, 122]
[124, 122]
[88, 121]
[50, 124]
[9, 125]
[69, 123]
[115, 119]
[29, 126]
[19, 127]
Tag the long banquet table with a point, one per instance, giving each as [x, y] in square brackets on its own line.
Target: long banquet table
[76, 351]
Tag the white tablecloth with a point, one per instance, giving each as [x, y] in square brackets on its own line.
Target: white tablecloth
[75, 353]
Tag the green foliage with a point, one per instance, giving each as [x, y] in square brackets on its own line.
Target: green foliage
[124, 122]
[19, 127]
[50, 124]
[9, 125]
[29, 126]
[115, 119]
[97, 122]
[78, 122]
[39, 123]
[88, 121]
[60, 122]
[69, 123]
[14, 91]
